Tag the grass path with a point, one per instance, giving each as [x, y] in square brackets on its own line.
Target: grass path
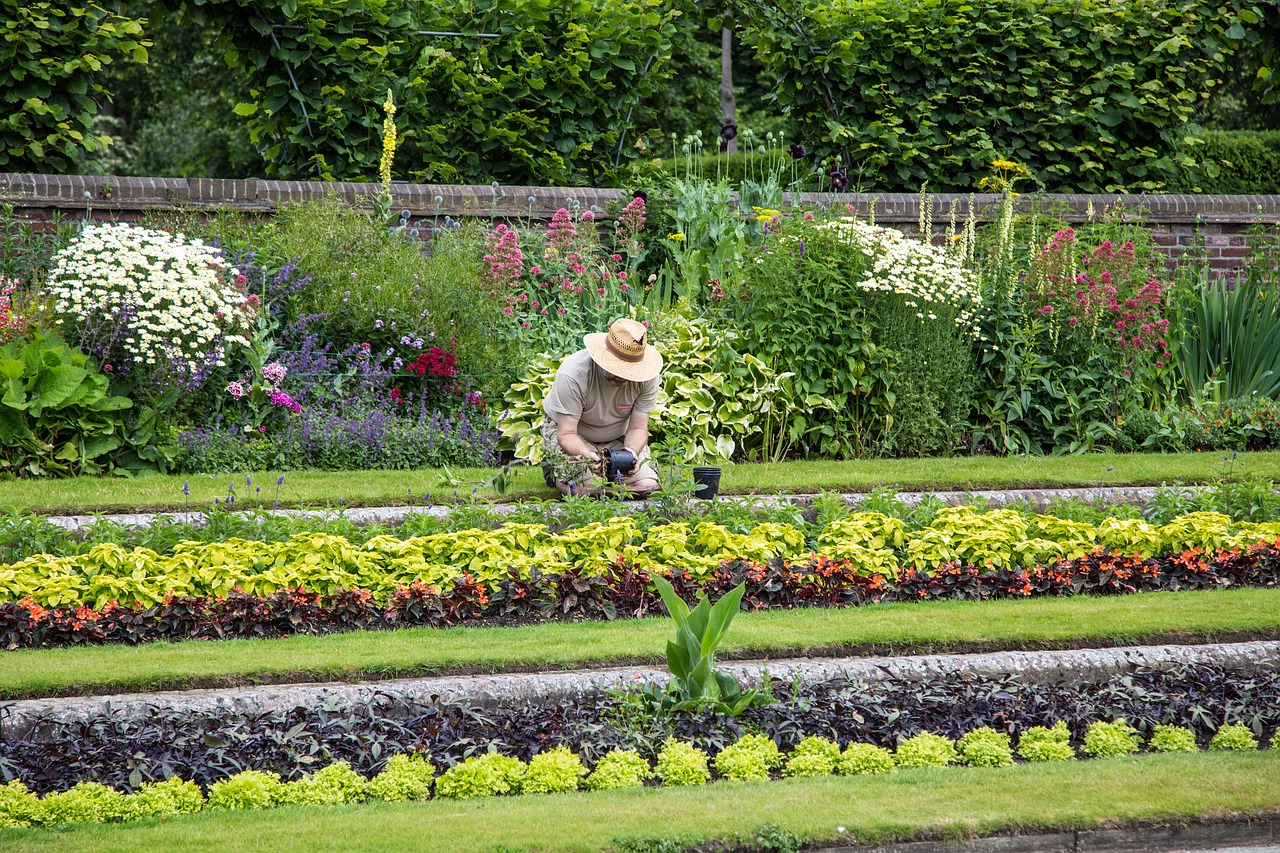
[948, 802]
[877, 629]
[83, 495]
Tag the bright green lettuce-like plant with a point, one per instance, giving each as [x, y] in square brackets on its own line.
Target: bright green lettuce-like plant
[19, 806]
[681, 764]
[862, 758]
[248, 789]
[695, 683]
[487, 775]
[751, 757]
[1104, 740]
[813, 756]
[984, 747]
[164, 799]
[1042, 743]
[1167, 738]
[406, 777]
[620, 768]
[331, 786]
[56, 415]
[925, 750]
[553, 772]
[85, 802]
[1234, 736]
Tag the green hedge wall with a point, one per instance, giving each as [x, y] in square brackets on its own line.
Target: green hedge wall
[1091, 95]
[1247, 162]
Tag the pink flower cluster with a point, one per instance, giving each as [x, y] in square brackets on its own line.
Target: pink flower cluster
[12, 324]
[561, 232]
[279, 398]
[505, 260]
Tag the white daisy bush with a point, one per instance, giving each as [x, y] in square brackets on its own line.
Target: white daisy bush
[928, 277]
[175, 302]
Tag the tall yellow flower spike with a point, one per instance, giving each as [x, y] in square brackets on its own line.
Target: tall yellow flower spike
[388, 143]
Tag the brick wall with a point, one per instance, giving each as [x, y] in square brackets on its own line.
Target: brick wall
[1178, 221]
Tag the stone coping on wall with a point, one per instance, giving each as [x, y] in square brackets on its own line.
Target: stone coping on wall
[107, 193]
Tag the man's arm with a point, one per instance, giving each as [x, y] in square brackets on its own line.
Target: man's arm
[570, 442]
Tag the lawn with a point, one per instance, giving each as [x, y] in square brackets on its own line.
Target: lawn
[376, 488]
[936, 802]
[877, 629]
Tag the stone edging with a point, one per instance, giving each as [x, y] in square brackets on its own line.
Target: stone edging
[18, 718]
[1038, 498]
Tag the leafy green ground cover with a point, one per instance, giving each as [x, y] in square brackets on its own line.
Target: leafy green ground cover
[889, 628]
[377, 488]
[944, 802]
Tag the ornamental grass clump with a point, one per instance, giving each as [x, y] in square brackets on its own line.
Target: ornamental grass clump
[620, 768]
[1104, 740]
[1041, 743]
[553, 772]
[681, 763]
[334, 785]
[752, 757]
[813, 756]
[163, 799]
[860, 759]
[984, 747]
[925, 750]
[484, 776]
[406, 777]
[1234, 737]
[1172, 739]
[248, 789]
[151, 300]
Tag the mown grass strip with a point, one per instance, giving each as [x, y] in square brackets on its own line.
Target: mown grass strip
[84, 495]
[888, 628]
[937, 802]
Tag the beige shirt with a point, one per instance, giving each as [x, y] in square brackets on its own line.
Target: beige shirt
[602, 409]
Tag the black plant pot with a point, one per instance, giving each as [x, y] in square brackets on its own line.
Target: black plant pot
[706, 483]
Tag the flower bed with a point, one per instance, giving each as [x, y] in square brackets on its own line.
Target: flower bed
[829, 728]
[314, 582]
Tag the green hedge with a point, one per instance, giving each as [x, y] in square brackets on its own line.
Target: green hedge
[1247, 162]
[1091, 95]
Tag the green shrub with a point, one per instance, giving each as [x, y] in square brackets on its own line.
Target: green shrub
[1092, 95]
[52, 71]
[620, 768]
[1172, 739]
[406, 777]
[861, 758]
[1246, 162]
[19, 806]
[484, 776]
[85, 802]
[1039, 743]
[813, 756]
[752, 757]
[681, 763]
[377, 289]
[984, 747]
[552, 772]
[164, 799]
[248, 789]
[1104, 740]
[925, 750]
[331, 786]
[1233, 736]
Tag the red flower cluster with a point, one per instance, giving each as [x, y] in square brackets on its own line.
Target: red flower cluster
[434, 362]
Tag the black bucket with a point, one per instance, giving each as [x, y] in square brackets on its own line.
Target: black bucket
[706, 483]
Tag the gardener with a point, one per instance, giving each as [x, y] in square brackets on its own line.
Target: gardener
[600, 400]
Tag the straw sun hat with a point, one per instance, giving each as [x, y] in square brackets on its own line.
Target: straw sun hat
[624, 351]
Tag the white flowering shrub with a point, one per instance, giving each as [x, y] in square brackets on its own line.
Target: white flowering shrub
[168, 300]
[928, 277]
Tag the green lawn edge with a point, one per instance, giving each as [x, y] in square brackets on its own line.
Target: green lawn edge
[900, 628]
[316, 489]
[949, 803]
